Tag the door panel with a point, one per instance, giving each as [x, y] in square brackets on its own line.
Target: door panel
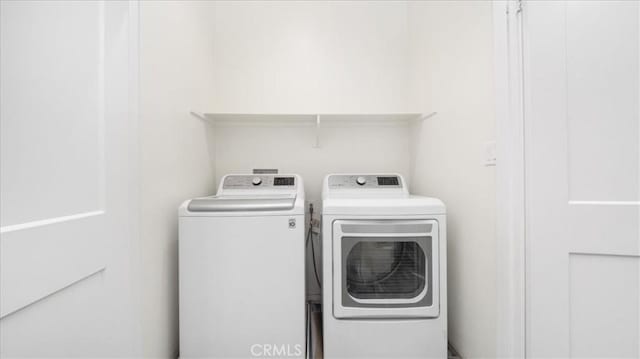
[51, 109]
[582, 154]
[602, 100]
[53, 213]
[603, 316]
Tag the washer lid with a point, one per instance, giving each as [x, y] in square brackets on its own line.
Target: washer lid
[242, 203]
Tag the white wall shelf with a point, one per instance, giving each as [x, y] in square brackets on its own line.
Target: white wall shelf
[310, 119]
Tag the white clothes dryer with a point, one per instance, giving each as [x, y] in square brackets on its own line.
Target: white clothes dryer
[384, 269]
[241, 269]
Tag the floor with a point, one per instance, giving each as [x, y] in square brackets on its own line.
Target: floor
[315, 318]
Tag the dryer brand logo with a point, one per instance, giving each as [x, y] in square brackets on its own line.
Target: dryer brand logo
[276, 350]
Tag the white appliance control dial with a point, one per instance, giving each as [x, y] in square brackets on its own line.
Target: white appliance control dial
[361, 181]
[256, 181]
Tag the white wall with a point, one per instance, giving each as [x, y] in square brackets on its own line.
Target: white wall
[310, 57]
[176, 75]
[453, 67]
[343, 148]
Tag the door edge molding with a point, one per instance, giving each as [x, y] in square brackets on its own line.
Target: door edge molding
[510, 179]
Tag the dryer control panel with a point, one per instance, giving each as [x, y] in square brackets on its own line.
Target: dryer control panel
[356, 181]
[259, 181]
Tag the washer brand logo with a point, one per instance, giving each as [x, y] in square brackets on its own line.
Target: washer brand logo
[276, 350]
[292, 223]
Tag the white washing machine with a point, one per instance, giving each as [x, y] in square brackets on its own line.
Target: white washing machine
[241, 269]
[384, 269]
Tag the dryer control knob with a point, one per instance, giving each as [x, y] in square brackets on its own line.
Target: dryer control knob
[361, 181]
[256, 181]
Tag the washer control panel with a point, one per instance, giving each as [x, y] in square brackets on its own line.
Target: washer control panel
[259, 181]
[364, 181]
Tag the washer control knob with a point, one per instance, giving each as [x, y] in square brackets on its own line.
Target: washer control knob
[256, 181]
[361, 181]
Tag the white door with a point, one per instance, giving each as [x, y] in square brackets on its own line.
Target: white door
[67, 176]
[581, 98]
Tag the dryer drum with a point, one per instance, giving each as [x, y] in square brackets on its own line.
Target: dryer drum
[385, 269]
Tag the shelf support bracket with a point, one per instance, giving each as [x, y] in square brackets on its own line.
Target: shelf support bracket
[198, 115]
[428, 116]
[317, 144]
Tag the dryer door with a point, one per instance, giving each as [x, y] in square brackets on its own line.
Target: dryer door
[385, 269]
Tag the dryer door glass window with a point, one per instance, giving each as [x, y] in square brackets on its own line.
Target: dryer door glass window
[384, 270]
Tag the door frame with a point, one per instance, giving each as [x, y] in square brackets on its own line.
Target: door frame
[510, 178]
